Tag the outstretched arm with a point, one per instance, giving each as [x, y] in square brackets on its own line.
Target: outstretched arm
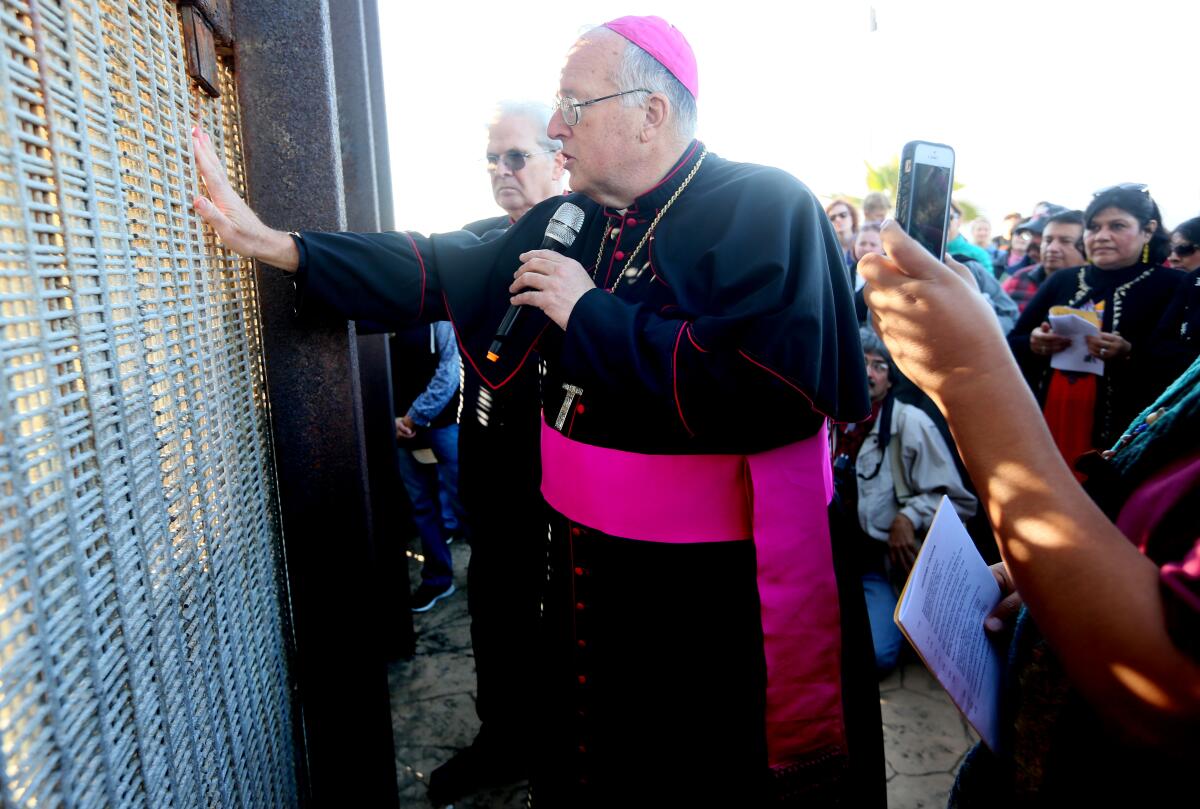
[1096, 598]
[229, 215]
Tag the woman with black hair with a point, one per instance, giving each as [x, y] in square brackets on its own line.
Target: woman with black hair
[1128, 288]
[1177, 341]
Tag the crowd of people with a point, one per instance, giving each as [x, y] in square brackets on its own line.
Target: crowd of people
[704, 460]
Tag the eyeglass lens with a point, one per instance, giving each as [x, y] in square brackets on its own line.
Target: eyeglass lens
[1183, 250]
[513, 160]
[570, 112]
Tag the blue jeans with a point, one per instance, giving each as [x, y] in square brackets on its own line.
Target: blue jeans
[885, 635]
[428, 486]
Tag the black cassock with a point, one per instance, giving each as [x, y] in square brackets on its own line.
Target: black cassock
[732, 331]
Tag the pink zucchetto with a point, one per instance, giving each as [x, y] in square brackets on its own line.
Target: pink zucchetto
[665, 43]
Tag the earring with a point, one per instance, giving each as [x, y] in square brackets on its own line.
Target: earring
[1146, 253]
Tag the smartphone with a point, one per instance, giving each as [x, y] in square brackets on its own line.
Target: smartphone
[923, 199]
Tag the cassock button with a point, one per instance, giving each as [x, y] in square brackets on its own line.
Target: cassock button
[582, 749]
[575, 531]
[631, 221]
[619, 256]
[583, 679]
[579, 408]
[579, 605]
[581, 643]
[578, 571]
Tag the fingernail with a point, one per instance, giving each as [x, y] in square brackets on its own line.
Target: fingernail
[993, 623]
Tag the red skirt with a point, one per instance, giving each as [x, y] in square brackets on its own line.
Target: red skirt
[1070, 411]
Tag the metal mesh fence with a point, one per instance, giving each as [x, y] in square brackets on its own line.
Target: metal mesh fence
[142, 657]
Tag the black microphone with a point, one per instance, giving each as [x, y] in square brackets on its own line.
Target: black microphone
[560, 234]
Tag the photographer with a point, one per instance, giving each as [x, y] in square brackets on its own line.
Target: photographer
[1106, 660]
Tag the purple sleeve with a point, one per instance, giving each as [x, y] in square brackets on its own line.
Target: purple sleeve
[1180, 586]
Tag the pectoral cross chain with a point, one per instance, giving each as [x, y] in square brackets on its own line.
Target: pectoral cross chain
[568, 400]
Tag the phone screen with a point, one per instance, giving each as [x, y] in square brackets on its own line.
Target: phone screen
[931, 193]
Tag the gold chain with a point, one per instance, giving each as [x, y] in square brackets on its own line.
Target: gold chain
[650, 230]
[600, 255]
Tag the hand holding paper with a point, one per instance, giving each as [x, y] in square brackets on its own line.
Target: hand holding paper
[1077, 324]
[947, 597]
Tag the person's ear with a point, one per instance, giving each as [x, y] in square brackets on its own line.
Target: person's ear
[658, 111]
[1151, 226]
[560, 163]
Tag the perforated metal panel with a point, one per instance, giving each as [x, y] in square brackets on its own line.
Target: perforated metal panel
[142, 660]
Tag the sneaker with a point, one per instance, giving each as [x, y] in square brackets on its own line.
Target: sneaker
[426, 596]
[472, 770]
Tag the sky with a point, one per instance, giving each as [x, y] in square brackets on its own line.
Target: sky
[1041, 100]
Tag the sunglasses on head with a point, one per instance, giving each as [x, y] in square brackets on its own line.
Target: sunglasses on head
[1183, 250]
[512, 159]
[1141, 188]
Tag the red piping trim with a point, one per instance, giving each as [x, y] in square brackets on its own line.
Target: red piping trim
[420, 261]
[675, 379]
[686, 159]
[693, 339]
[462, 349]
[785, 380]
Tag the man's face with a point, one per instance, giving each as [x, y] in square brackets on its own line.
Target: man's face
[867, 241]
[1034, 248]
[1060, 248]
[843, 223]
[518, 191]
[600, 150]
[878, 383]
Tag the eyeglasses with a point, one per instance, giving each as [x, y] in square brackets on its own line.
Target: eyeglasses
[514, 160]
[1141, 188]
[571, 108]
[1183, 250]
[878, 365]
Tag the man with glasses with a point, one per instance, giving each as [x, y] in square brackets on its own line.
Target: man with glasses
[524, 164]
[1061, 248]
[891, 472]
[696, 339]
[499, 475]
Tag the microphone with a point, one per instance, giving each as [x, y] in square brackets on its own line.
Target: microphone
[560, 235]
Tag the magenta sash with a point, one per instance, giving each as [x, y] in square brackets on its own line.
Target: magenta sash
[780, 498]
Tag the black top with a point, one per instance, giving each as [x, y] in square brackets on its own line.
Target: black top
[736, 336]
[1176, 342]
[1129, 384]
[488, 228]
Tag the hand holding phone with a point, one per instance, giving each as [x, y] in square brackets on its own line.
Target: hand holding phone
[923, 199]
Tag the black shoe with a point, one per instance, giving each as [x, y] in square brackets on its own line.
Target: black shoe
[471, 770]
[426, 596]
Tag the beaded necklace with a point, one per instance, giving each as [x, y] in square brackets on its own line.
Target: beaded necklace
[1118, 296]
[1118, 299]
[646, 237]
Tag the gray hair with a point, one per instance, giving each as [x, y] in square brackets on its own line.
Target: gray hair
[537, 114]
[639, 69]
[871, 343]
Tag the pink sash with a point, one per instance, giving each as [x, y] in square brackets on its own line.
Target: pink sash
[780, 498]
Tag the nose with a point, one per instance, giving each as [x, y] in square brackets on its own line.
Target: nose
[501, 168]
[557, 129]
